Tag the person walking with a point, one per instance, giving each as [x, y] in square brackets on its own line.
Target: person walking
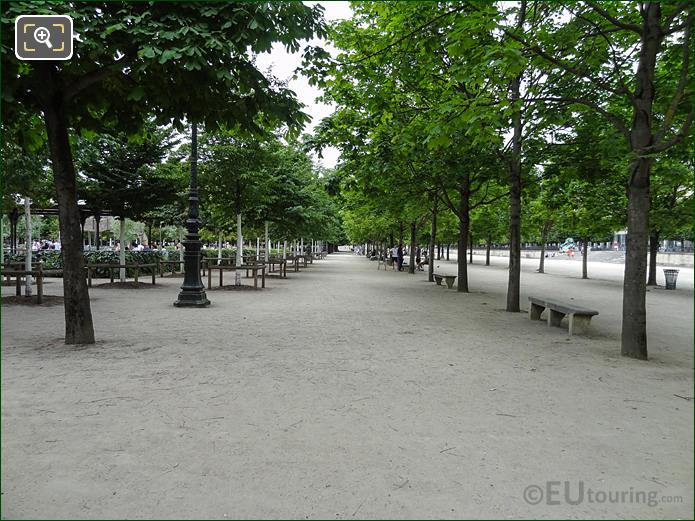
[394, 257]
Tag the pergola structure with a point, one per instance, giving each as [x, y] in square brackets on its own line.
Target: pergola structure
[84, 213]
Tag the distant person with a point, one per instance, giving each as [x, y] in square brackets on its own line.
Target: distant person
[422, 262]
[394, 257]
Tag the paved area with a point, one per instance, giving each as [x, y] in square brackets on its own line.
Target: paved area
[347, 392]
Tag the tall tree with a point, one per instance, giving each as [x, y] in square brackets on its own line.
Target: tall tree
[139, 59]
[612, 70]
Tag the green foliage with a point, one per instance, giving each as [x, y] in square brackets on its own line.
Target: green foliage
[128, 177]
[137, 60]
[53, 260]
[264, 181]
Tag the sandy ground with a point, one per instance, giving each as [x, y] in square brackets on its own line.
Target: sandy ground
[347, 392]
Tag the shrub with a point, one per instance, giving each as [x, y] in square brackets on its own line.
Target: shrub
[53, 260]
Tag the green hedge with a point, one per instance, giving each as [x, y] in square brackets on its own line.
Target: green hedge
[227, 252]
[53, 260]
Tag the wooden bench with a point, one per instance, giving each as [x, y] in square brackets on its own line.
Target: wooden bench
[281, 263]
[293, 262]
[90, 267]
[254, 268]
[579, 317]
[448, 278]
[22, 274]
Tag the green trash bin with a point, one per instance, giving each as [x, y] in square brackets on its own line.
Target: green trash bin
[671, 276]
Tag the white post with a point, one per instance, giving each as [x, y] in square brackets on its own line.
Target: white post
[219, 249]
[2, 239]
[27, 239]
[121, 255]
[284, 249]
[302, 246]
[239, 251]
[267, 244]
[258, 248]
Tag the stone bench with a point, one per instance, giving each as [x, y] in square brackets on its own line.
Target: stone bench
[579, 317]
[449, 279]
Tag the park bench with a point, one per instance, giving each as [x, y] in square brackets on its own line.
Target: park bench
[449, 279]
[12, 267]
[19, 275]
[137, 267]
[281, 264]
[225, 261]
[579, 318]
[253, 268]
[293, 262]
[303, 258]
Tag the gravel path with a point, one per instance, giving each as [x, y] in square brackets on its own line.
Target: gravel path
[346, 392]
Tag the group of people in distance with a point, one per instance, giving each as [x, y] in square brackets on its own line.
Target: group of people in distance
[397, 255]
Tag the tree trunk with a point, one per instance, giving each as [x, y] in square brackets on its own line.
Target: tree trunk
[514, 282]
[544, 238]
[121, 255]
[239, 251]
[267, 244]
[433, 239]
[79, 328]
[400, 235]
[447, 251]
[149, 234]
[464, 230]
[488, 243]
[634, 328]
[585, 257]
[653, 250]
[439, 251]
[2, 239]
[14, 218]
[27, 241]
[413, 238]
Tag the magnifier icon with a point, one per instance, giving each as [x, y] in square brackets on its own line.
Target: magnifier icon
[42, 35]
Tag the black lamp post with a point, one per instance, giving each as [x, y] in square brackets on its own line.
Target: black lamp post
[192, 291]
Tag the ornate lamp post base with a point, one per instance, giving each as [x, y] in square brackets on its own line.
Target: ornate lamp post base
[190, 300]
[192, 293]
